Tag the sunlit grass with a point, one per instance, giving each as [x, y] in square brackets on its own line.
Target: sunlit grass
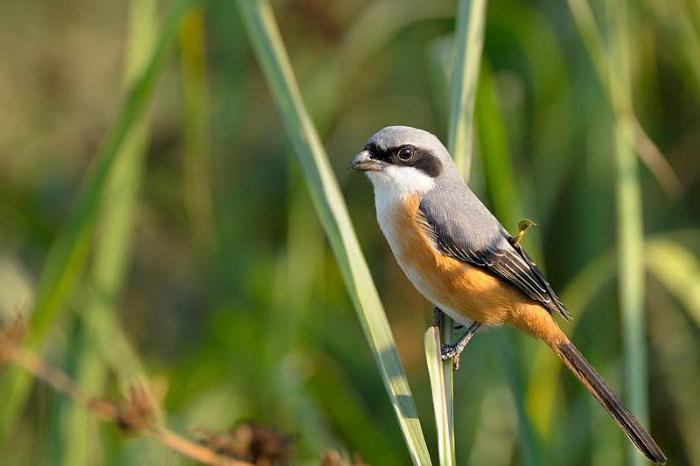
[443, 397]
[331, 209]
[468, 43]
[630, 229]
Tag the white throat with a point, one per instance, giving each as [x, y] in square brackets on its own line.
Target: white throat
[393, 184]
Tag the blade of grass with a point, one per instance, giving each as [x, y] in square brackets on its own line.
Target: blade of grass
[468, 44]
[630, 239]
[469, 40]
[444, 411]
[112, 248]
[694, 15]
[681, 25]
[69, 252]
[330, 206]
[197, 163]
[439, 53]
[630, 233]
[495, 151]
[80, 434]
[442, 396]
[615, 91]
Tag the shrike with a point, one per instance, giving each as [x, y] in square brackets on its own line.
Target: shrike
[460, 257]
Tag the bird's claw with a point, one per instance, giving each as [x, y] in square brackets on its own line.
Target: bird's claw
[448, 352]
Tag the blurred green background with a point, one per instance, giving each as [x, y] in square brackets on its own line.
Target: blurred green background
[209, 270]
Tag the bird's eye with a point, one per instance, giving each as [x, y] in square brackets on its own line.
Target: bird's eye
[405, 153]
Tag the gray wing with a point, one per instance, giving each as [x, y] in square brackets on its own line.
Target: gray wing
[463, 228]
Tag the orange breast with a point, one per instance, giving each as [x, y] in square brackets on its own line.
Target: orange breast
[461, 288]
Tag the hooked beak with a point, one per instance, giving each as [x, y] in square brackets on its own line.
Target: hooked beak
[363, 162]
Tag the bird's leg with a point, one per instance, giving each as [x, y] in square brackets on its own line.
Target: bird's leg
[453, 351]
[437, 317]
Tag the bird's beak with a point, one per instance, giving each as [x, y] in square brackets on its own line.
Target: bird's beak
[363, 162]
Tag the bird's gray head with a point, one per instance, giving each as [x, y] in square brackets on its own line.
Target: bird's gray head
[403, 159]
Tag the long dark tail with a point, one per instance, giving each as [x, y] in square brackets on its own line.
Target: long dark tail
[595, 384]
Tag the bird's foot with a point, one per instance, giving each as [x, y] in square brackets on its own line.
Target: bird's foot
[452, 352]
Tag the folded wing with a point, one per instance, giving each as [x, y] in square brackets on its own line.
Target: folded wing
[479, 240]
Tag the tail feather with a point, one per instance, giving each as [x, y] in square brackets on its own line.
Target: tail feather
[595, 384]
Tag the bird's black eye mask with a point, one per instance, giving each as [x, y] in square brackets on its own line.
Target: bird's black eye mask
[407, 156]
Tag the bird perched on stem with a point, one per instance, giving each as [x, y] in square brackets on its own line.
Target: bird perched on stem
[457, 254]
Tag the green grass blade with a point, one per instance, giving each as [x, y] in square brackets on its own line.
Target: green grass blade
[442, 400]
[112, 248]
[446, 431]
[80, 432]
[68, 253]
[330, 206]
[499, 173]
[197, 151]
[619, 100]
[57, 279]
[469, 40]
[116, 221]
[593, 41]
[630, 234]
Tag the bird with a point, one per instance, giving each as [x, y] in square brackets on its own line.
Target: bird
[458, 255]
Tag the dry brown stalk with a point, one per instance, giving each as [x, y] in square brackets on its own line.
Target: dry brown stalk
[257, 445]
[135, 414]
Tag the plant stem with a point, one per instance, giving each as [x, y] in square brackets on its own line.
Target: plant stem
[197, 151]
[469, 40]
[630, 231]
[442, 396]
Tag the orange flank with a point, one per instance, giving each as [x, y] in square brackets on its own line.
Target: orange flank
[467, 290]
